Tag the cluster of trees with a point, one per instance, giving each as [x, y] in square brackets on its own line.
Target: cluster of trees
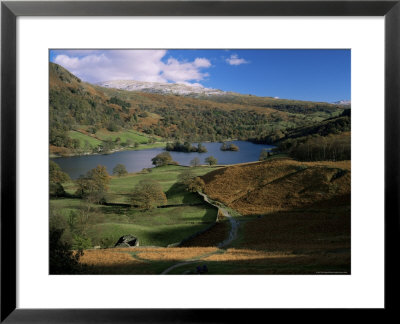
[327, 127]
[195, 162]
[319, 148]
[165, 158]
[334, 125]
[109, 145]
[119, 102]
[148, 194]
[190, 181]
[326, 140]
[162, 159]
[199, 119]
[210, 160]
[94, 185]
[56, 178]
[120, 170]
[58, 136]
[270, 138]
[229, 147]
[210, 123]
[185, 147]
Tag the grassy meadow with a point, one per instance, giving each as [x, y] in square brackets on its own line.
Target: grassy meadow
[82, 138]
[88, 143]
[294, 218]
[123, 135]
[185, 214]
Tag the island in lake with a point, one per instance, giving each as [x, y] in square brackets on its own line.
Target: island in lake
[153, 167]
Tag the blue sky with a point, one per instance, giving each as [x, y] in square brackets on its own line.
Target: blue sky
[316, 75]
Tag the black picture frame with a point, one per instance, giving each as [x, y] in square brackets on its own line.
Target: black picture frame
[10, 10]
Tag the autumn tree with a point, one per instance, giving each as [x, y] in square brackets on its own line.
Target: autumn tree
[201, 148]
[94, 185]
[196, 184]
[229, 147]
[56, 178]
[162, 159]
[195, 162]
[186, 176]
[120, 170]
[211, 160]
[148, 194]
[56, 175]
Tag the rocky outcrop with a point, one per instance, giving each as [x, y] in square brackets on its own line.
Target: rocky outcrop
[127, 241]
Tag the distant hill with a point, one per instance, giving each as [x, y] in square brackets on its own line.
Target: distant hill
[326, 127]
[286, 105]
[160, 88]
[85, 120]
[219, 96]
[327, 140]
[342, 102]
[82, 114]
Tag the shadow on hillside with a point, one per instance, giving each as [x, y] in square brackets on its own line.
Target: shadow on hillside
[242, 262]
[210, 176]
[115, 209]
[176, 233]
[320, 227]
[178, 189]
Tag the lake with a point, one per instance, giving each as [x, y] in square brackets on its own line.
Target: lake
[135, 161]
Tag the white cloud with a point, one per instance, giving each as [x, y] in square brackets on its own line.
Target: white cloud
[182, 72]
[140, 65]
[202, 62]
[235, 60]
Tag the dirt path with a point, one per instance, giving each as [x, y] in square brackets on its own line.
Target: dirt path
[181, 264]
[232, 234]
[225, 212]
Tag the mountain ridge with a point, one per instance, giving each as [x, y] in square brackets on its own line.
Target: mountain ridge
[79, 109]
[160, 87]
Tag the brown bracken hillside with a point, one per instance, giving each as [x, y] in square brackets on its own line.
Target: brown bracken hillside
[295, 219]
[280, 184]
[289, 206]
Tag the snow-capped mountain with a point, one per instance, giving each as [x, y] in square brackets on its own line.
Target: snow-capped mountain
[342, 102]
[162, 88]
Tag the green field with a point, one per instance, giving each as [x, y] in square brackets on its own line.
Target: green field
[121, 187]
[147, 146]
[124, 135]
[105, 224]
[82, 138]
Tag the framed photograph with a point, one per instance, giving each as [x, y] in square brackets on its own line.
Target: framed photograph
[163, 159]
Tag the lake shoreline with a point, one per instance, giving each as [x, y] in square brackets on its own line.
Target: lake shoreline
[151, 146]
[136, 160]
